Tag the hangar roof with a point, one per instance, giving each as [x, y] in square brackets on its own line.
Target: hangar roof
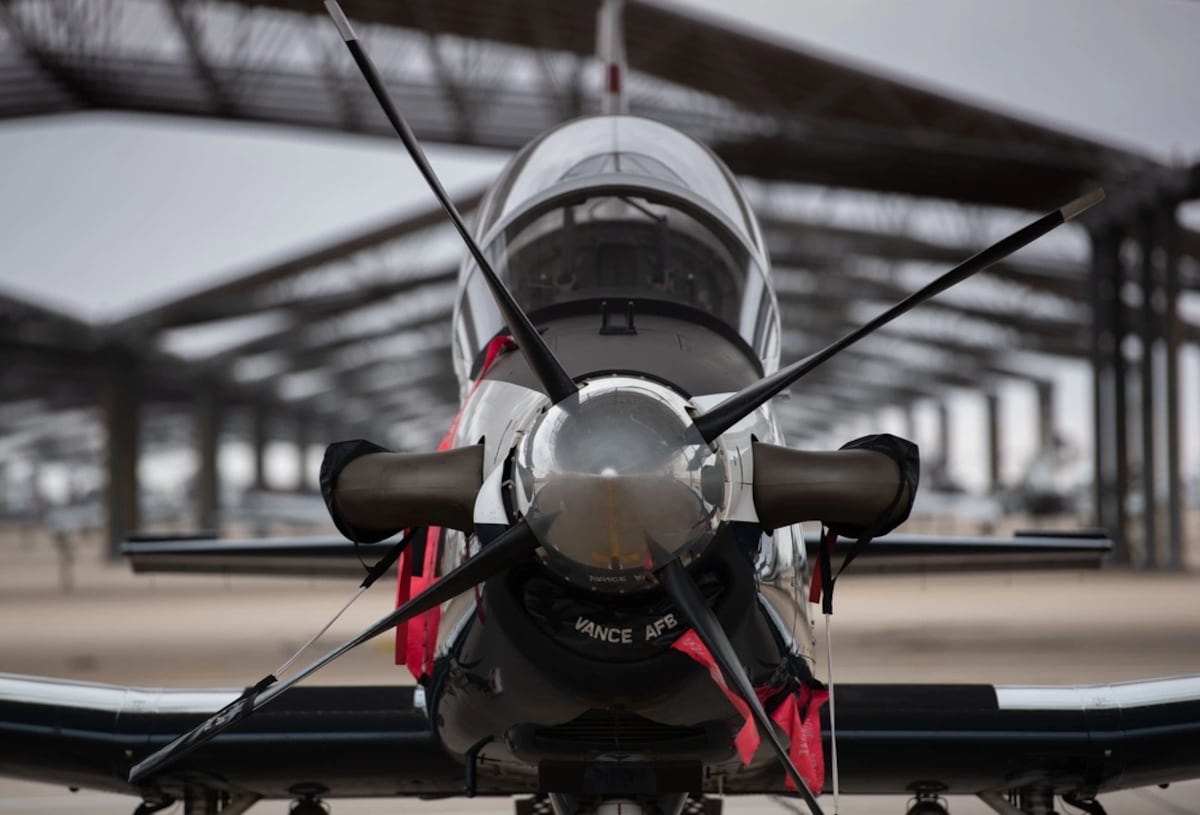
[496, 74]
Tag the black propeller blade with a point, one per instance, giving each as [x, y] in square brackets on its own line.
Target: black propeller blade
[725, 415]
[508, 549]
[556, 383]
[689, 600]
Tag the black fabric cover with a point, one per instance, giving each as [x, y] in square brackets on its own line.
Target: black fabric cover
[908, 458]
[337, 456]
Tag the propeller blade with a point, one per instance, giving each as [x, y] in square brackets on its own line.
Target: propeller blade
[509, 548]
[725, 415]
[556, 383]
[689, 600]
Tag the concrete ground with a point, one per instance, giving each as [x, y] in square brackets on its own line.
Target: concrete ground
[1066, 627]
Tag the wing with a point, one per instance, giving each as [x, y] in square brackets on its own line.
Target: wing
[342, 741]
[897, 554]
[331, 556]
[376, 741]
[337, 557]
[961, 739]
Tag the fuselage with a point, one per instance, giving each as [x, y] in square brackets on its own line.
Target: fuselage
[533, 658]
[637, 280]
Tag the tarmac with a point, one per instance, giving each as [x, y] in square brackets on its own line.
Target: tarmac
[171, 630]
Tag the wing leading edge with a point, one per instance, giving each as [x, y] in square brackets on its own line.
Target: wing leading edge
[915, 554]
[349, 741]
[967, 739]
[892, 554]
[376, 741]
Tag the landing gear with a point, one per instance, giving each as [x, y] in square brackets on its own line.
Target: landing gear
[202, 801]
[671, 804]
[656, 805]
[621, 806]
[309, 805]
[1038, 800]
[1089, 805]
[149, 807]
[308, 800]
[620, 788]
[927, 803]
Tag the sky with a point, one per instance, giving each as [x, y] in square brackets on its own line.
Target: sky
[103, 214]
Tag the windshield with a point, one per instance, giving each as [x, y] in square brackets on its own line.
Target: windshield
[573, 222]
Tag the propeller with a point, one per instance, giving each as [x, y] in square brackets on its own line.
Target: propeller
[695, 511]
[555, 381]
[508, 549]
[726, 414]
[690, 603]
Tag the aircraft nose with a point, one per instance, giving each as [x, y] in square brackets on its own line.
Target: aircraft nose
[613, 485]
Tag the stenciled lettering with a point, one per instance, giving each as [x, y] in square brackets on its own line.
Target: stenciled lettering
[655, 629]
[617, 635]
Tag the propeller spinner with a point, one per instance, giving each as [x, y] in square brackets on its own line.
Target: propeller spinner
[614, 483]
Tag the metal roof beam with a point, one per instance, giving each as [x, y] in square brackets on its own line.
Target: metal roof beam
[1057, 335]
[189, 32]
[311, 318]
[226, 299]
[915, 141]
[70, 82]
[792, 243]
[322, 354]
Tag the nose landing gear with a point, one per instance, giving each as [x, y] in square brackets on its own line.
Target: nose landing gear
[308, 800]
[309, 805]
[667, 804]
[927, 803]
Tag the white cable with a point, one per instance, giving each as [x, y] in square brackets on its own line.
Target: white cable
[283, 668]
[832, 708]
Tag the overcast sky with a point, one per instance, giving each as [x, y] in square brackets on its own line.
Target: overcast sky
[104, 214]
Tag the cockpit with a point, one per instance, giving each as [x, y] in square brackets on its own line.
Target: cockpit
[616, 209]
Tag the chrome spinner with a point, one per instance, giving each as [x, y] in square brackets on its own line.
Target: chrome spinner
[615, 482]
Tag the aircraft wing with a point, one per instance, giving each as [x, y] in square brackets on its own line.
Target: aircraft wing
[376, 741]
[329, 556]
[896, 554]
[976, 738]
[336, 557]
[352, 741]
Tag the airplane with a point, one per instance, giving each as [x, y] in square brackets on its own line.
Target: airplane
[603, 589]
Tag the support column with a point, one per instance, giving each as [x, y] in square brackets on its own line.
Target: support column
[304, 477]
[1045, 402]
[122, 448]
[1148, 333]
[1108, 389]
[258, 442]
[208, 442]
[910, 421]
[1168, 235]
[993, 436]
[943, 431]
[1120, 493]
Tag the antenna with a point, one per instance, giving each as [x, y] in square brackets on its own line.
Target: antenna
[610, 49]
